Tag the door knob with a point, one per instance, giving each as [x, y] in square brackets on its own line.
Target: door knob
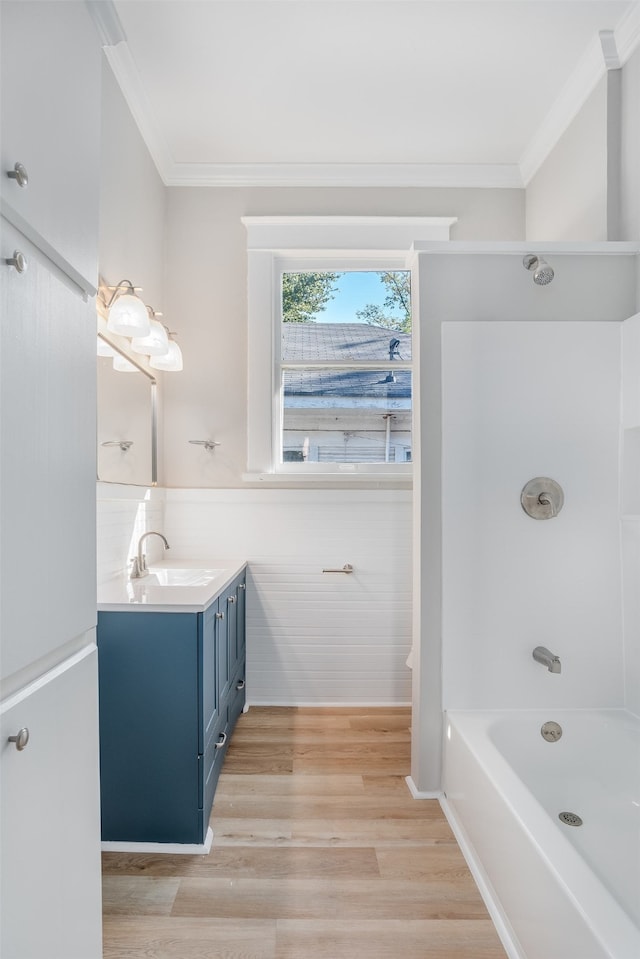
[18, 260]
[20, 739]
[19, 174]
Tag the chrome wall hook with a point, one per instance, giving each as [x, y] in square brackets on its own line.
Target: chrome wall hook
[123, 444]
[209, 445]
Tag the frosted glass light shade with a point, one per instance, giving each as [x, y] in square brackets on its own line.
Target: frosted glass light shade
[128, 316]
[155, 344]
[123, 366]
[171, 362]
[103, 349]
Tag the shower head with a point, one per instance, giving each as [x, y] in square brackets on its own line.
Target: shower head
[542, 272]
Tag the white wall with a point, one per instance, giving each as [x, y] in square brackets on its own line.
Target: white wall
[312, 637]
[522, 400]
[124, 513]
[598, 154]
[630, 522]
[630, 149]
[207, 297]
[567, 197]
[132, 244]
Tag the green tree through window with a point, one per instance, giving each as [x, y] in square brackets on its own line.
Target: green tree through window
[304, 295]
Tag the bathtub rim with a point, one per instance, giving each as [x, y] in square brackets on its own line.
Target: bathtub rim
[609, 923]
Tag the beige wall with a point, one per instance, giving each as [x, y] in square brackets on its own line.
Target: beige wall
[567, 197]
[132, 200]
[207, 300]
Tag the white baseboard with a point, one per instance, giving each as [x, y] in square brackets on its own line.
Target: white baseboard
[491, 901]
[417, 793]
[172, 848]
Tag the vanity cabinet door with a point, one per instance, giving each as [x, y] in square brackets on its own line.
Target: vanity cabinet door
[235, 601]
[209, 685]
[151, 768]
[50, 97]
[49, 829]
[47, 470]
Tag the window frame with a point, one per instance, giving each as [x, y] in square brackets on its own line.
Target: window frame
[310, 264]
[277, 244]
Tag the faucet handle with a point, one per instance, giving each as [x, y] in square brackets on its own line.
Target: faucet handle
[136, 572]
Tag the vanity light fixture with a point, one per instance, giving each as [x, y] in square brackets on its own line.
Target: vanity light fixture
[156, 343]
[122, 365]
[128, 315]
[103, 348]
[171, 361]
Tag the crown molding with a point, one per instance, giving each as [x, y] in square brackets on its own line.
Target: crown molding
[627, 33]
[105, 16]
[462, 175]
[572, 97]
[609, 50]
[126, 73]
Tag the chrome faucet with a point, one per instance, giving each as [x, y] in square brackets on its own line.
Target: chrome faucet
[542, 655]
[139, 562]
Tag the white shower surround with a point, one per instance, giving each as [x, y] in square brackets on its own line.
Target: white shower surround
[547, 392]
[522, 400]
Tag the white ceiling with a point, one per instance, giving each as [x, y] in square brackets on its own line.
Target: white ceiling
[468, 92]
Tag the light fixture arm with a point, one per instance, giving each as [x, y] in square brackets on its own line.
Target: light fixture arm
[117, 291]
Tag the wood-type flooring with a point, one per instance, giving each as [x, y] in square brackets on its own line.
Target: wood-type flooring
[319, 852]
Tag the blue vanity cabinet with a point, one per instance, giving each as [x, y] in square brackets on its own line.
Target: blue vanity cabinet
[234, 601]
[167, 710]
[237, 644]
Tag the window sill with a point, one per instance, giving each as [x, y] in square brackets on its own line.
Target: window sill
[369, 480]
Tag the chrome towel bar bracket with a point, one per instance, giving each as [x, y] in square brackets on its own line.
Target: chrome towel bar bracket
[347, 568]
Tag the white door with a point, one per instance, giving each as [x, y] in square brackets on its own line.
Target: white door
[47, 460]
[50, 824]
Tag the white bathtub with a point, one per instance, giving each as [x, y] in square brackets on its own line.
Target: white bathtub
[555, 891]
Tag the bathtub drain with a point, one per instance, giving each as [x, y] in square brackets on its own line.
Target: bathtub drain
[570, 819]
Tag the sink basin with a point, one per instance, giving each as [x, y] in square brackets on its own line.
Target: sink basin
[172, 576]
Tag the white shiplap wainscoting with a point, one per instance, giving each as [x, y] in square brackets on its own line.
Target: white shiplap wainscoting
[124, 513]
[313, 638]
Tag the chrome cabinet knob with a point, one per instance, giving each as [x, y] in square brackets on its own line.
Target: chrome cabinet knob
[240, 684]
[222, 741]
[18, 260]
[20, 739]
[242, 586]
[219, 615]
[19, 174]
[231, 599]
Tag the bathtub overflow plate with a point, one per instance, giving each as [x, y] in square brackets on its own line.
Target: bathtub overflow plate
[551, 732]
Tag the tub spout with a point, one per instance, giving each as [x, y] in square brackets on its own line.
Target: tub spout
[542, 655]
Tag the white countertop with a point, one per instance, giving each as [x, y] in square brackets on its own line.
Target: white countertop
[151, 594]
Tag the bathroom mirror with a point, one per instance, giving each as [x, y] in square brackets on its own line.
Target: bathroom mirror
[127, 418]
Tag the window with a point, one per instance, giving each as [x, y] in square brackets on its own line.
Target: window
[319, 403]
[344, 368]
